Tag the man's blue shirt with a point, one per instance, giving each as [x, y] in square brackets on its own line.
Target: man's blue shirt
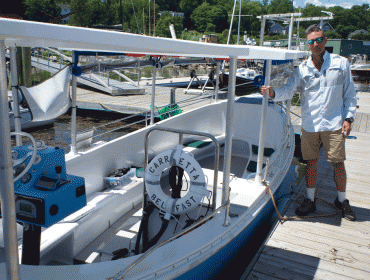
[327, 96]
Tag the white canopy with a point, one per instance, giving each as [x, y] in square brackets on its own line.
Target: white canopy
[36, 34]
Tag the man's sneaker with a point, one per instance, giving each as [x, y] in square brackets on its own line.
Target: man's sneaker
[307, 207]
[346, 210]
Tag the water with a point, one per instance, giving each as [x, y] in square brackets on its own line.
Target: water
[59, 134]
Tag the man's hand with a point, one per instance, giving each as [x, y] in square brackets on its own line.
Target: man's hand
[346, 129]
[264, 89]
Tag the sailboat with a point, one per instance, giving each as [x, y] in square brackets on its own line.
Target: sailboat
[174, 200]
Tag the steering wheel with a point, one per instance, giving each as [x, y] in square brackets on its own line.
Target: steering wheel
[33, 153]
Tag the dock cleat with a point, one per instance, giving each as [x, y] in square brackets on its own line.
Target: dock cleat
[307, 207]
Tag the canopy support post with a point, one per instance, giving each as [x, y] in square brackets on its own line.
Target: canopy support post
[74, 110]
[261, 145]
[153, 92]
[6, 178]
[16, 110]
[228, 138]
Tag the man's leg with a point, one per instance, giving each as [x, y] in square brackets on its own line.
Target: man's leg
[334, 145]
[310, 146]
[311, 177]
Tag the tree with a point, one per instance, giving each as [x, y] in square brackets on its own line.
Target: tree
[207, 17]
[187, 7]
[280, 7]
[332, 35]
[41, 10]
[81, 13]
[162, 28]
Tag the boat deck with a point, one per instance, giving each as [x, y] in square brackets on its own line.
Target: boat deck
[330, 247]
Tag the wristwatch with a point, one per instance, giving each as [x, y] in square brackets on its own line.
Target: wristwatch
[350, 120]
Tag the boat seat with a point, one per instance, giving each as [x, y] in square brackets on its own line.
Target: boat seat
[64, 240]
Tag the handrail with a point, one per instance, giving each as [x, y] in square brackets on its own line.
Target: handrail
[143, 256]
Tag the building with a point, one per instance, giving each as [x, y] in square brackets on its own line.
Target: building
[64, 10]
[173, 14]
[276, 29]
[361, 31]
[208, 38]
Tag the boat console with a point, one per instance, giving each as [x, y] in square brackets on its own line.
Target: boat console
[44, 195]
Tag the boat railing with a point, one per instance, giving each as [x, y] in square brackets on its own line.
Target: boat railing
[171, 109]
[121, 274]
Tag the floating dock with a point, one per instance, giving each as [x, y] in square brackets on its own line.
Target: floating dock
[330, 247]
[136, 104]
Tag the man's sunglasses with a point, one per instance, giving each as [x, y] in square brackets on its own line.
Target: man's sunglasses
[318, 40]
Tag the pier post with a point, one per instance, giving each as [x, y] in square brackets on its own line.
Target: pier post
[261, 144]
[6, 178]
[228, 138]
[16, 111]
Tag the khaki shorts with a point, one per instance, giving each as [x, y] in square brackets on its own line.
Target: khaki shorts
[332, 141]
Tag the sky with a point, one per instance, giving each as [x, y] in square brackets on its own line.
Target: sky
[330, 3]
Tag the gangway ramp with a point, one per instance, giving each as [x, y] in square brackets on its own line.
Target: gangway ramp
[96, 81]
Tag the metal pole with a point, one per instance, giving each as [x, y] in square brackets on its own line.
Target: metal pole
[240, 10]
[217, 80]
[74, 110]
[263, 22]
[6, 178]
[228, 138]
[16, 110]
[261, 145]
[153, 95]
[231, 23]
[173, 96]
[290, 32]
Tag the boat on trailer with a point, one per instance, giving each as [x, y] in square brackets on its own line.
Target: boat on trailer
[189, 192]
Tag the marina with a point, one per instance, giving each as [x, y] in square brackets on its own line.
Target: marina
[182, 191]
[143, 171]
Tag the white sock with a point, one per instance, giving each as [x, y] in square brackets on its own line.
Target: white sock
[341, 196]
[311, 193]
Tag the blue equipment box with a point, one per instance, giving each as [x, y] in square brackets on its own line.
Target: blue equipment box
[46, 194]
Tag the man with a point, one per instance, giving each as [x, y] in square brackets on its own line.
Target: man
[328, 105]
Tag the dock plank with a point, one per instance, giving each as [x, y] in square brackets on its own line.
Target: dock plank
[326, 247]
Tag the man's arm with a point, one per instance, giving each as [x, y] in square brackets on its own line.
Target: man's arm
[349, 100]
[286, 91]
[349, 94]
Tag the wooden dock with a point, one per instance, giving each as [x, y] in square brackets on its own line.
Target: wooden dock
[135, 104]
[330, 247]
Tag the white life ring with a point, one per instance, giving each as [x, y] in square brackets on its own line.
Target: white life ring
[197, 189]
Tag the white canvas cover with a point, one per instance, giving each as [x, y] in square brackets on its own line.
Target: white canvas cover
[51, 98]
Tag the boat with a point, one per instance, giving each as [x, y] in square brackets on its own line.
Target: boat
[360, 71]
[174, 200]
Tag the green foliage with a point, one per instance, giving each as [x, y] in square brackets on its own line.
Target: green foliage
[162, 26]
[207, 17]
[200, 15]
[332, 35]
[280, 6]
[41, 10]
[361, 36]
